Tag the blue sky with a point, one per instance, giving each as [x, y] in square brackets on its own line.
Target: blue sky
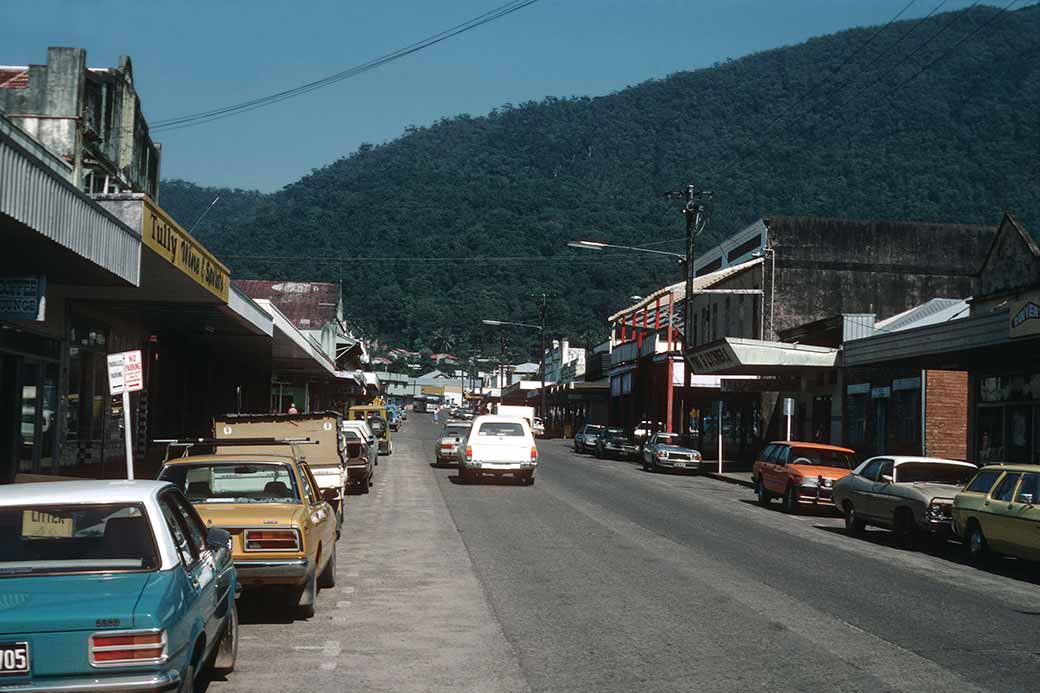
[192, 55]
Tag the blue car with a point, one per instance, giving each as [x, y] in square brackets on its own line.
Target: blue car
[111, 585]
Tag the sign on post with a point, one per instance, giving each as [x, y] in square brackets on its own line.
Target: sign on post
[789, 413]
[126, 375]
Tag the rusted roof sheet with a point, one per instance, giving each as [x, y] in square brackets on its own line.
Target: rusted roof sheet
[14, 78]
[307, 305]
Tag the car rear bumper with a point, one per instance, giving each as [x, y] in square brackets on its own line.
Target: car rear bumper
[358, 473]
[501, 467]
[271, 571]
[158, 681]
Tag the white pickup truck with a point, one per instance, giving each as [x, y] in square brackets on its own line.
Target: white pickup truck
[499, 445]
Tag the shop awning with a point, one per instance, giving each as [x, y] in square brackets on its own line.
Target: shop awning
[291, 351]
[734, 356]
[54, 229]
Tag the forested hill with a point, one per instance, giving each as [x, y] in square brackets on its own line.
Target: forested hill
[484, 206]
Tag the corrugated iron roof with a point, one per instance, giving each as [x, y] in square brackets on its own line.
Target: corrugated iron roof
[307, 305]
[678, 290]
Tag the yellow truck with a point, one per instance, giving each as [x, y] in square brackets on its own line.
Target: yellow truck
[376, 416]
[327, 459]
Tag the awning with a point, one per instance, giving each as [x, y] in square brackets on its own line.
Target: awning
[734, 356]
[52, 227]
[292, 352]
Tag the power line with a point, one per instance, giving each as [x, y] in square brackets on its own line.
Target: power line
[200, 118]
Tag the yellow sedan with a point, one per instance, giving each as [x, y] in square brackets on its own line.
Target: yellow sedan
[998, 512]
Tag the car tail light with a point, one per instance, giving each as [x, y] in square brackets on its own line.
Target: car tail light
[127, 648]
[271, 540]
[469, 453]
[446, 446]
[534, 454]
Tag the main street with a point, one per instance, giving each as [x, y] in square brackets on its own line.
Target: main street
[605, 577]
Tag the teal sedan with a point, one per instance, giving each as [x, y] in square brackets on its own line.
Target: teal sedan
[111, 585]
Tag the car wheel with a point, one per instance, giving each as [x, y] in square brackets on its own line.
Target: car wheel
[978, 549]
[227, 650]
[763, 495]
[530, 480]
[327, 578]
[791, 500]
[854, 524]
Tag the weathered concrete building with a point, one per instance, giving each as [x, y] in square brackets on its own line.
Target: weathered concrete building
[89, 117]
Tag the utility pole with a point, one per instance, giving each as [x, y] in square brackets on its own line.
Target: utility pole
[695, 211]
[541, 365]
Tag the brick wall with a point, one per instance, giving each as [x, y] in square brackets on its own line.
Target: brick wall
[946, 414]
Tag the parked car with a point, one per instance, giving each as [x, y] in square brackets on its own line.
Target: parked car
[360, 460]
[124, 587]
[597, 448]
[800, 473]
[368, 434]
[283, 533]
[617, 444]
[446, 449]
[585, 439]
[538, 426]
[499, 445]
[671, 451]
[913, 496]
[376, 417]
[999, 512]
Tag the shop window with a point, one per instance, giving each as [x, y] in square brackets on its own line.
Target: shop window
[1019, 434]
[990, 435]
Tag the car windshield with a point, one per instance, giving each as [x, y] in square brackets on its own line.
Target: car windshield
[821, 457]
[612, 431]
[234, 482]
[593, 430]
[674, 439]
[618, 436]
[455, 430]
[936, 473]
[112, 537]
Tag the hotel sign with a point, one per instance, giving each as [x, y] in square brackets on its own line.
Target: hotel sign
[171, 242]
[1024, 320]
[715, 359]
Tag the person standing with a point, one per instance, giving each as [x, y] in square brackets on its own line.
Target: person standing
[292, 408]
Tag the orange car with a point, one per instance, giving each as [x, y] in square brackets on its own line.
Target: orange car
[800, 473]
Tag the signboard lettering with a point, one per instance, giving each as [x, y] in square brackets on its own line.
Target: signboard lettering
[125, 372]
[712, 360]
[41, 524]
[22, 298]
[1024, 318]
[163, 235]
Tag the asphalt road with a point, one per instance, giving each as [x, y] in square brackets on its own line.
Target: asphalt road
[604, 577]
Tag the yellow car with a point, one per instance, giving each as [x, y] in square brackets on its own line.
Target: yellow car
[999, 512]
[283, 531]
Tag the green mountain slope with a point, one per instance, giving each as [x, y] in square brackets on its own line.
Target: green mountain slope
[485, 205]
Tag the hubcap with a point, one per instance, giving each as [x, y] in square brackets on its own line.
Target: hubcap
[975, 541]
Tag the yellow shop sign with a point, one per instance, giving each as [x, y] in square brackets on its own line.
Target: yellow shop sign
[171, 242]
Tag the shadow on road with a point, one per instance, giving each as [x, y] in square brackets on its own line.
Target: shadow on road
[266, 606]
[804, 511]
[952, 551]
[486, 481]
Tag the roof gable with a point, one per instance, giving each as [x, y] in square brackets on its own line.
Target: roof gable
[1013, 260]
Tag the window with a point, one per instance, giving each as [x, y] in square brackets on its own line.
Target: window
[824, 458]
[783, 453]
[1030, 485]
[310, 484]
[907, 410]
[983, 481]
[871, 470]
[228, 482]
[178, 532]
[857, 418]
[933, 472]
[770, 451]
[196, 530]
[505, 428]
[885, 473]
[1006, 488]
[308, 488]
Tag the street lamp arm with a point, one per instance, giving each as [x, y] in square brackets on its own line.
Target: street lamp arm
[595, 245]
[499, 323]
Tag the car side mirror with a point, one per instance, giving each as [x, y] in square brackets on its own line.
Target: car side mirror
[1026, 498]
[217, 538]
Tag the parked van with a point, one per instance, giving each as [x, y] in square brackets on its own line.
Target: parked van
[375, 415]
[327, 460]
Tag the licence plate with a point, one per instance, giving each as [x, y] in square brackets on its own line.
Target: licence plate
[14, 658]
[680, 465]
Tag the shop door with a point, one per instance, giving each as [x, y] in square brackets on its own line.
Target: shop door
[880, 425]
[37, 421]
[28, 420]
